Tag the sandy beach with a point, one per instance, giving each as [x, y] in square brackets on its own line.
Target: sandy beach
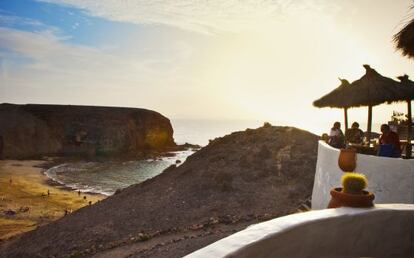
[24, 200]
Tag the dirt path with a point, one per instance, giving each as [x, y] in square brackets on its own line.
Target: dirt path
[174, 244]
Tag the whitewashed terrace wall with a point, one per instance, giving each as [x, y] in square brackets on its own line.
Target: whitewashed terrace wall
[383, 231]
[390, 179]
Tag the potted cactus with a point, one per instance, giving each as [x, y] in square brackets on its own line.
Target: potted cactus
[352, 193]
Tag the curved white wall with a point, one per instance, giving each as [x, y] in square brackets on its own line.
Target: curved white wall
[383, 231]
[390, 179]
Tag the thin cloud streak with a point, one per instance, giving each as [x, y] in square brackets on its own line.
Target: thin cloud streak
[208, 17]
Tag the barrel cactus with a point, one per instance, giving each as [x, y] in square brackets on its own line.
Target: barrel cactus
[354, 183]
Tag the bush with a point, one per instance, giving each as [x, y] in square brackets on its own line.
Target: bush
[267, 125]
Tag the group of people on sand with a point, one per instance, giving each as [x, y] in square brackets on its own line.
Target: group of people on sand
[389, 142]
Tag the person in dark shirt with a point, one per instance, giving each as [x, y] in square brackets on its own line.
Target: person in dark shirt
[354, 134]
[389, 141]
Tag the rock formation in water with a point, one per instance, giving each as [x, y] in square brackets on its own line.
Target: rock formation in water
[36, 130]
[235, 181]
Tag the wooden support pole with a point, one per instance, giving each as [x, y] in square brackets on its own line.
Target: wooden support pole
[408, 148]
[369, 124]
[346, 118]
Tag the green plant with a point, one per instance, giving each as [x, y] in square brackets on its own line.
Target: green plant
[267, 124]
[353, 183]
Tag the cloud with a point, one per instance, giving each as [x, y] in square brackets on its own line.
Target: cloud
[211, 16]
[8, 20]
[75, 25]
[13, 20]
[41, 65]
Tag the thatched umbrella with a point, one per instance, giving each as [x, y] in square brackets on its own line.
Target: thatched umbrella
[336, 98]
[370, 90]
[404, 40]
[373, 89]
[409, 95]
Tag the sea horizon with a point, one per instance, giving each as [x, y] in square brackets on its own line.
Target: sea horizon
[200, 131]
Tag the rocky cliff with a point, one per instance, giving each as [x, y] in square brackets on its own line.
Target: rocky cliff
[233, 182]
[35, 130]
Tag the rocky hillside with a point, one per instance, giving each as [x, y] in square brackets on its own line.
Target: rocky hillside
[235, 181]
[35, 130]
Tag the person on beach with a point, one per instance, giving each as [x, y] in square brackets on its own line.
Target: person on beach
[336, 136]
[389, 141]
[354, 134]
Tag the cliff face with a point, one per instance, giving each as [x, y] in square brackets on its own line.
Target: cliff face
[235, 181]
[34, 130]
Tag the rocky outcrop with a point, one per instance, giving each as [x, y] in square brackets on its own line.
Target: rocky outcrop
[235, 181]
[36, 130]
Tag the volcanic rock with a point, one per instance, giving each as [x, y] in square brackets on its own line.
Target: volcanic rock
[35, 130]
[239, 179]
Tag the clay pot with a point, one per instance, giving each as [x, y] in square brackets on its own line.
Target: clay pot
[341, 199]
[347, 160]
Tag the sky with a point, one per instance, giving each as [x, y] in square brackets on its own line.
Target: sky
[264, 60]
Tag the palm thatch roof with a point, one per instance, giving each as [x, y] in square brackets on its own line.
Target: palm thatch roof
[370, 90]
[337, 98]
[408, 86]
[404, 40]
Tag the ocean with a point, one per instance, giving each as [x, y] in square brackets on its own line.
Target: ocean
[106, 177]
[201, 131]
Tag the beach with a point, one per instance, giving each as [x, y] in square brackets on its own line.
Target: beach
[24, 200]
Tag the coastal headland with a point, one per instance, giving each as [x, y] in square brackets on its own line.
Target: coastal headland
[237, 180]
[32, 131]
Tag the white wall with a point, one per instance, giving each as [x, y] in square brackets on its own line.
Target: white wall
[390, 179]
[383, 231]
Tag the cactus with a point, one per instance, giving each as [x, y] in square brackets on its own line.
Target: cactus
[353, 183]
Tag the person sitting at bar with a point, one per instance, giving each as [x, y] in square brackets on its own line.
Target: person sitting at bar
[389, 143]
[336, 136]
[354, 134]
